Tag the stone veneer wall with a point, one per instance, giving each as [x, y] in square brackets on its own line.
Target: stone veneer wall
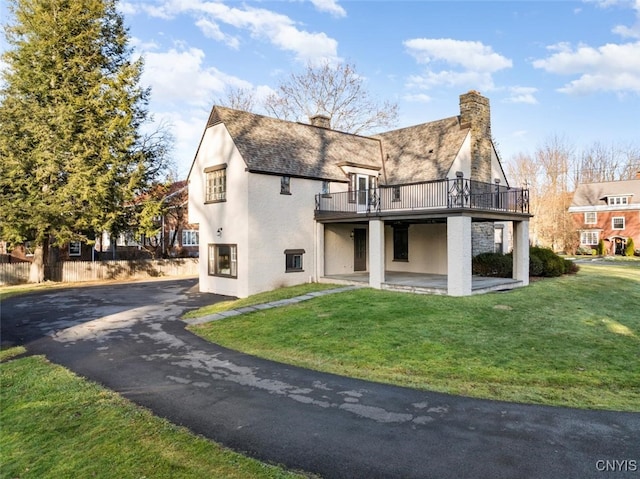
[475, 113]
[482, 238]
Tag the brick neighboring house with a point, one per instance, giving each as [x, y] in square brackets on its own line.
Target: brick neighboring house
[282, 203]
[176, 238]
[608, 211]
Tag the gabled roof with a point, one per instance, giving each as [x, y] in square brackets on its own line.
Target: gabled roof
[269, 145]
[422, 152]
[594, 194]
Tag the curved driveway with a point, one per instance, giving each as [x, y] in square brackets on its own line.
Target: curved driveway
[129, 338]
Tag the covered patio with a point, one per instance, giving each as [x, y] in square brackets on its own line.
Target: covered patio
[422, 282]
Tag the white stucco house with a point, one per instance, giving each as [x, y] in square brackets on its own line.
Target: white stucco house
[280, 203]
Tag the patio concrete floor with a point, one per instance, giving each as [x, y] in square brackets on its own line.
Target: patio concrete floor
[423, 282]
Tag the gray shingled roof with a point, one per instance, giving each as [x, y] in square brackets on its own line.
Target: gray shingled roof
[422, 152]
[594, 194]
[269, 145]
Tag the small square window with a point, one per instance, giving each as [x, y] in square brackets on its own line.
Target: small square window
[75, 248]
[396, 193]
[617, 222]
[293, 260]
[285, 185]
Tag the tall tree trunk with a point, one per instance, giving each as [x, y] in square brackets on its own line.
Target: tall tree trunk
[36, 271]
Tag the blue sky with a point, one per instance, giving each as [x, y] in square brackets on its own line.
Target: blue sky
[564, 68]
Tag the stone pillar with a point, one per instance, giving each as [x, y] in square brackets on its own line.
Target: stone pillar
[319, 259]
[459, 256]
[521, 251]
[376, 253]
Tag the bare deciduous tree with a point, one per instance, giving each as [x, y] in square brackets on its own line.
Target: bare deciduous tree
[335, 91]
[546, 174]
[607, 163]
[238, 98]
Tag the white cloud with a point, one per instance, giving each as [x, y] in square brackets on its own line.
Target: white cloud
[330, 6]
[278, 29]
[418, 98]
[611, 67]
[212, 30]
[521, 94]
[473, 63]
[624, 31]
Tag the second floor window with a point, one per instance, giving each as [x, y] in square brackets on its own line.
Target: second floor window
[617, 222]
[590, 218]
[285, 185]
[215, 184]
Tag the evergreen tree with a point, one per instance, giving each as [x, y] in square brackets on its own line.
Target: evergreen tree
[72, 154]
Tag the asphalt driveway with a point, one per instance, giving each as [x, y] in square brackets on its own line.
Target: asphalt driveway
[129, 338]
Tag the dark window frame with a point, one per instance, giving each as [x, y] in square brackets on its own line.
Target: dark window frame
[214, 258]
[290, 260]
[285, 185]
[76, 250]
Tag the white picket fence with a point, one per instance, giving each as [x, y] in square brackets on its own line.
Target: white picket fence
[79, 271]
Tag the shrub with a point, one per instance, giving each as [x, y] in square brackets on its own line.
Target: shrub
[542, 262]
[552, 264]
[600, 249]
[570, 267]
[536, 266]
[629, 249]
[493, 264]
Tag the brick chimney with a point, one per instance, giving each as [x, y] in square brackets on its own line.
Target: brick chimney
[323, 121]
[475, 114]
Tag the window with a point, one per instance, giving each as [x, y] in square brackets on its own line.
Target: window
[223, 260]
[590, 218]
[498, 240]
[618, 200]
[190, 238]
[352, 188]
[401, 243]
[617, 222]
[75, 248]
[216, 184]
[396, 193]
[285, 185]
[590, 238]
[326, 189]
[293, 260]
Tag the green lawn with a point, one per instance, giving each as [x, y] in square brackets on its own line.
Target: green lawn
[55, 425]
[572, 341]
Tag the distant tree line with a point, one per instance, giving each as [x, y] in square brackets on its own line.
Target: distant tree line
[552, 174]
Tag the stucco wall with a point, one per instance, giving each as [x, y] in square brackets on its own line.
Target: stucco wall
[278, 222]
[230, 215]
[427, 250]
[338, 244]
[462, 161]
